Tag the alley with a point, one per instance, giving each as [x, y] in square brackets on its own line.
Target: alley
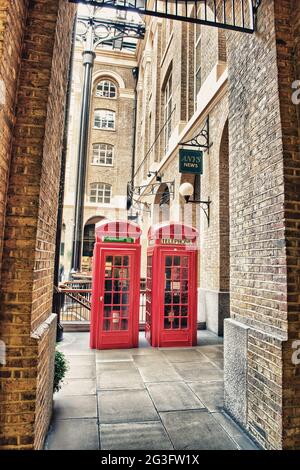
[146, 398]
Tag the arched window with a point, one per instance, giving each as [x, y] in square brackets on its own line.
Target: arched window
[100, 193]
[104, 119]
[103, 154]
[106, 89]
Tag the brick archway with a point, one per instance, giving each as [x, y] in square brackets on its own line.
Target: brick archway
[32, 111]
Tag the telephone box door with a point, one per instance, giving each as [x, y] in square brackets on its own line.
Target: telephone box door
[116, 315]
[177, 313]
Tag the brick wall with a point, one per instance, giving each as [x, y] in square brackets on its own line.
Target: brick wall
[12, 20]
[27, 326]
[264, 172]
[288, 54]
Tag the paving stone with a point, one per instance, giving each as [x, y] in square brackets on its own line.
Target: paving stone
[203, 372]
[149, 360]
[78, 387]
[210, 394]
[81, 360]
[75, 407]
[170, 396]
[115, 365]
[123, 406]
[81, 372]
[134, 436]
[183, 355]
[196, 430]
[111, 355]
[73, 434]
[159, 373]
[111, 379]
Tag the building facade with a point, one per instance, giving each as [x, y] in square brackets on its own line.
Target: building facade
[183, 92]
[110, 148]
[254, 140]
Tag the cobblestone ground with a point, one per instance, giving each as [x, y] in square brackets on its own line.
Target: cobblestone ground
[146, 398]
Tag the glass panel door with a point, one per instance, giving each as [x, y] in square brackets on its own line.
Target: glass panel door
[176, 292]
[116, 293]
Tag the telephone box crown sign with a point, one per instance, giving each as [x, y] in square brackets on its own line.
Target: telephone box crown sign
[173, 231]
[118, 229]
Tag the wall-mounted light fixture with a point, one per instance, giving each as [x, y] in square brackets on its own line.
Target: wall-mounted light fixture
[186, 190]
[158, 177]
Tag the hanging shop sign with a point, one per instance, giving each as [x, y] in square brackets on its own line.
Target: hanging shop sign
[190, 161]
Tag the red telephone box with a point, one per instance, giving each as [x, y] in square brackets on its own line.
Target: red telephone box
[116, 286]
[171, 286]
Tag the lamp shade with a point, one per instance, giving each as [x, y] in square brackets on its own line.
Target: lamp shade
[186, 190]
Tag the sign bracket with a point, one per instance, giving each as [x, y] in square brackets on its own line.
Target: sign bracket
[200, 140]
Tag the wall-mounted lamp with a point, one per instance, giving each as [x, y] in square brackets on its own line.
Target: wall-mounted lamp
[158, 177]
[186, 190]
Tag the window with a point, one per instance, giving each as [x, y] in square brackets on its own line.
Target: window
[102, 154]
[104, 119]
[106, 89]
[168, 110]
[100, 193]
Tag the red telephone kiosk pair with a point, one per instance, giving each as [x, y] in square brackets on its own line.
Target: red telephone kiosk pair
[171, 286]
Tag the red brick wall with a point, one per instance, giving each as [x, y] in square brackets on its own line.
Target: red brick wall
[12, 21]
[288, 55]
[27, 326]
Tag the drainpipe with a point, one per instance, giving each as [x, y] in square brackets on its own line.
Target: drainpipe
[56, 302]
[88, 64]
[135, 72]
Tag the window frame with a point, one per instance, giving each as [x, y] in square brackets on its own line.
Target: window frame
[111, 84]
[106, 150]
[100, 195]
[105, 119]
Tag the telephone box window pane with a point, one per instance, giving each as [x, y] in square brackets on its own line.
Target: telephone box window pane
[185, 261]
[168, 273]
[116, 299]
[176, 298]
[106, 325]
[124, 311]
[116, 319]
[167, 324]
[125, 299]
[126, 261]
[118, 261]
[176, 324]
[176, 310]
[185, 273]
[176, 260]
[124, 273]
[184, 311]
[184, 298]
[108, 286]
[124, 324]
[107, 312]
[169, 261]
[167, 298]
[107, 298]
[184, 323]
[125, 286]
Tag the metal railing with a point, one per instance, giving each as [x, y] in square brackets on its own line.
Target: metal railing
[75, 301]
